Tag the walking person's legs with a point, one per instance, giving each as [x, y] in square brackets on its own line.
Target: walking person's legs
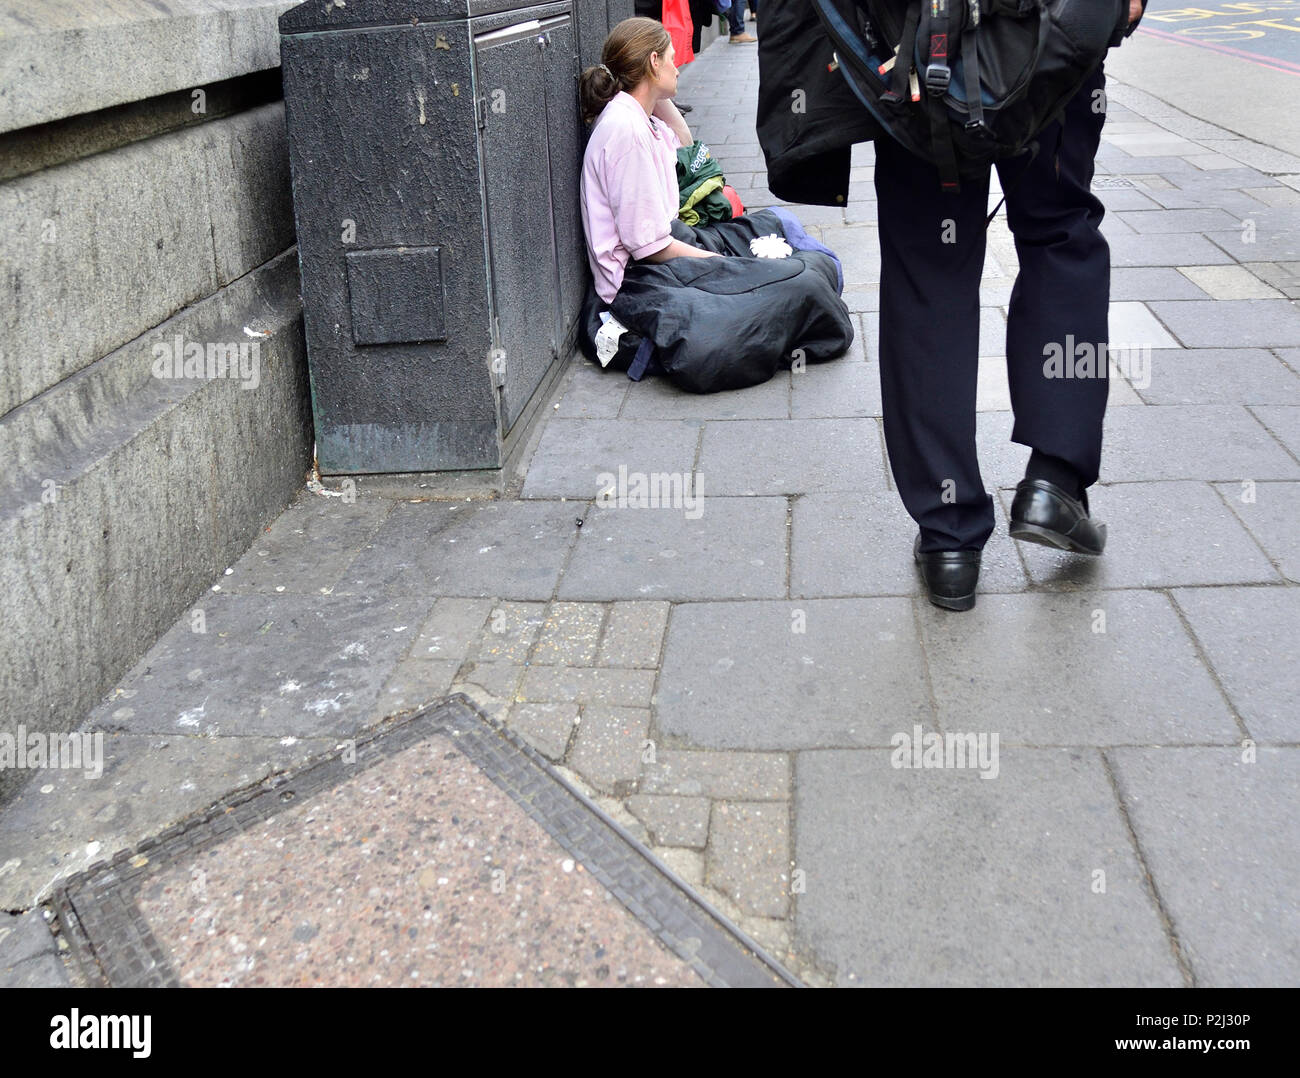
[1057, 325]
[931, 255]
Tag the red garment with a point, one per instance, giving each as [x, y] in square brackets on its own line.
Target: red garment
[737, 207]
[677, 21]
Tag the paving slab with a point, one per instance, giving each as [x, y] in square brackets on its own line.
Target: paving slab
[452, 628]
[1002, 461]
[633, 553]
[507, 549]
[1113, 225]
[1119, 199]
[591, 392]
[609, 746]
[1227, 282]
[1257, 155]
[1217, 442]
[23, 936]
[1148, 222]
[671, 820]
[938, 877]
[1283, 422]
[1174, 249]
[1248, 635]
[1289, 356]
[414, 683]
[1132, 323]
[836, 390]
[605, 686]
[748, 855]
[992, 385]
[1257, 240]
[43, 971]
[493, 686]
[1219, 838]
[309, 546]
[547, 727]
[570, 634]
[29, 953]
[1152, 282]
[783, 675]
[1238, 323]
[283, 665]
[1159, 535]
[1219, 376]
[992, 332]
[634, 634]
[657, 398]
[1099, 668]
[862, 546]
[730, 776]
[1282, 277]
[1271, 513]
[1194, 195]
[792, 456]
[858, 249]
[1280, 195]
[576, 457]
[509, 633]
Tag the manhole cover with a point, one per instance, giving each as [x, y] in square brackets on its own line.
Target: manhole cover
[1105, 183]
[438, 850]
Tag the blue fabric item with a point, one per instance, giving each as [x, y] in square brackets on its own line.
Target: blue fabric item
[641, 361]
[801, 241]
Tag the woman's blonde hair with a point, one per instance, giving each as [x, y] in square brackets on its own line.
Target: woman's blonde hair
[625, 57]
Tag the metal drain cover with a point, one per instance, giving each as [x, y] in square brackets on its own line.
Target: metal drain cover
[437, 850]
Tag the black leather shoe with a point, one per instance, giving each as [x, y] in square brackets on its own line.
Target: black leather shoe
[950, 575]
[1043, 513]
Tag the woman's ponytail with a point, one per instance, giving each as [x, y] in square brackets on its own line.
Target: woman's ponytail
[597, 87]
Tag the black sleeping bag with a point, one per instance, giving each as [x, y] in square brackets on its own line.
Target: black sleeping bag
[710, 324]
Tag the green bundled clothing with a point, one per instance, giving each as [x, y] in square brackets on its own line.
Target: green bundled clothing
[699, 183]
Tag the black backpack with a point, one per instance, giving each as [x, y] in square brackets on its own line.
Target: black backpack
[981, 77]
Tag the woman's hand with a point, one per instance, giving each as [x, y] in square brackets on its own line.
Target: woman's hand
[667, 111]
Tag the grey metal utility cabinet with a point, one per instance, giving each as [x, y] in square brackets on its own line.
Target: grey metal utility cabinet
[435, 149]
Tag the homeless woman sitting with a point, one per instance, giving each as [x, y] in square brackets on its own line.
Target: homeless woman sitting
[691, 302]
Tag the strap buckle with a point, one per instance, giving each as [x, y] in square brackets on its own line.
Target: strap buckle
[937, 77]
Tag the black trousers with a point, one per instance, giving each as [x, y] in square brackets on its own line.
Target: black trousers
[932, 254]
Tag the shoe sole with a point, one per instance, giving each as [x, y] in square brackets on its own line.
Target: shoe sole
[1034, 533]
[961, 602]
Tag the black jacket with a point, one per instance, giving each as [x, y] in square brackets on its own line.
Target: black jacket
[808, 118]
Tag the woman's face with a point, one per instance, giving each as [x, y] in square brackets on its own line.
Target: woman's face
[666, 83]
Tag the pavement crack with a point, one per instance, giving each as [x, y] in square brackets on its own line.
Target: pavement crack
[1166, 920]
